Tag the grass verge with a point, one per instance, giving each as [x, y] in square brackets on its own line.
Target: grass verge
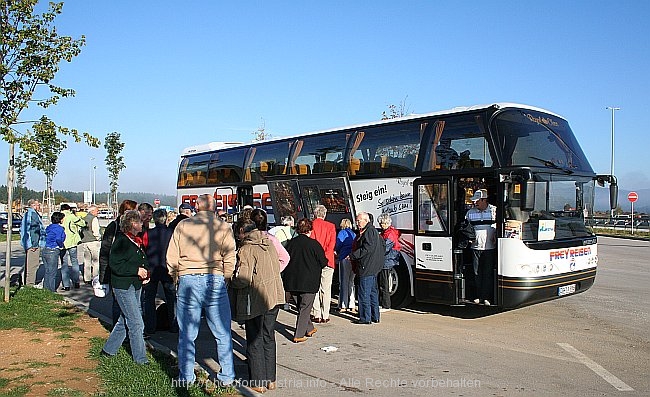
[33, 309]
[621, 233]
[37, 309]
[123, 377]
[15, 236]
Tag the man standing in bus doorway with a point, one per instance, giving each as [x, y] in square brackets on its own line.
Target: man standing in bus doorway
[483, 217]
[325, 233]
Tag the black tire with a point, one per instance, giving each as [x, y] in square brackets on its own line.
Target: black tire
[400, 286]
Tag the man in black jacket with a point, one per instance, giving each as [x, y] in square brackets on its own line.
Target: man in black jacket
[156, 250]
[184, 212]
[369, 254]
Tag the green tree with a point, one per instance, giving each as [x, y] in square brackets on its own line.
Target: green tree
[45, 154]
[20, 164]
[31, 51]
[114, 163]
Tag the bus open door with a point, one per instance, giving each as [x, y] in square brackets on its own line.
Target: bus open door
[434, 273]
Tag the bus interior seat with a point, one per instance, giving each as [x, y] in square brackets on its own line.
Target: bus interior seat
[186, 179]
[200, 178]
[279, 169]
[471, 163]
[213, 176]
[354, 166]
[302, 169]
[324, 167]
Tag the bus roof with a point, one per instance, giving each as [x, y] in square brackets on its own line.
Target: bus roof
[460, 109]
[208, 147]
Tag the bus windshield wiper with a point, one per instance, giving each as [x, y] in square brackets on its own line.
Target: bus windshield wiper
[551, 164]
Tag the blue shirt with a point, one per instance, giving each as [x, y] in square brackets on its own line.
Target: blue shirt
[344, 241]
[54, 236]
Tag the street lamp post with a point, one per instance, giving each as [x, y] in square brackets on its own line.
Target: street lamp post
[92, 192]
[611, 168]
[94, 182]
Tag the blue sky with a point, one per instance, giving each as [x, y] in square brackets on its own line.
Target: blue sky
[169, 74]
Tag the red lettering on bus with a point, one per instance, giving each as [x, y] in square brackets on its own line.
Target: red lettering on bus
[266, 201]
[189, 199]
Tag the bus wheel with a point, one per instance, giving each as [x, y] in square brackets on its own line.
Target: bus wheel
[400, 286]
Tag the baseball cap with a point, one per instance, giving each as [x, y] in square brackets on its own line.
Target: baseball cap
[479, 194]
[184, 206]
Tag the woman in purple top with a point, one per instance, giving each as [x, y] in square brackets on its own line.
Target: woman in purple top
[54, 237]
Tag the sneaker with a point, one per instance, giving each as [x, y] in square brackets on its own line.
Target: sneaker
[39, 285]
[486, 302]
[104, 353]
[477, 301]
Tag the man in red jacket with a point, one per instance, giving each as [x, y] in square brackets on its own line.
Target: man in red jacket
[325, 233]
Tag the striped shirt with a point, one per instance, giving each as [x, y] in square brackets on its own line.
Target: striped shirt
[484, 226]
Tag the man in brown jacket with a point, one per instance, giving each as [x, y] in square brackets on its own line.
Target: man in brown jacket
[201, 257]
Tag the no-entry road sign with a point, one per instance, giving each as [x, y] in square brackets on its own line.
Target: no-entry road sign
[632, 197]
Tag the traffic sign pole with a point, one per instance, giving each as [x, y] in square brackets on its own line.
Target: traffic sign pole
[632, 217]
[632, 197]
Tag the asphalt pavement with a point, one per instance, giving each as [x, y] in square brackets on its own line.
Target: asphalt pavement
[595, 343]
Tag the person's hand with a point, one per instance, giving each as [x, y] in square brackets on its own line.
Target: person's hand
[143, 274]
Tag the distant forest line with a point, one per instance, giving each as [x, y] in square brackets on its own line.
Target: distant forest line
[63, 196]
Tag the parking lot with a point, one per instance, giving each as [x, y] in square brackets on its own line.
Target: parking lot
[595, 343]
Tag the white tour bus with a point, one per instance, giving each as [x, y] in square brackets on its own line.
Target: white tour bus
[423, 170]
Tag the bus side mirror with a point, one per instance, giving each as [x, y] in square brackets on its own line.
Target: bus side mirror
[527, 202]
[613, 196]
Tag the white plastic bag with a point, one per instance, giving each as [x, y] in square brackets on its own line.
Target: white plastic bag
[98, 288]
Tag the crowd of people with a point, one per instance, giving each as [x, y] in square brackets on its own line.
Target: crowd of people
[228, 271]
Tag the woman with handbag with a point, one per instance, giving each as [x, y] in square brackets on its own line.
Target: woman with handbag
[258, 293]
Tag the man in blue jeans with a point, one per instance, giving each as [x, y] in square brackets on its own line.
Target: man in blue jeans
[201, 257]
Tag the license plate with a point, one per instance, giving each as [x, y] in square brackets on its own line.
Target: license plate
[566, 289]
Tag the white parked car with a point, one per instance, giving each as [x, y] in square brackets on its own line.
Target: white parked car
[106, 214]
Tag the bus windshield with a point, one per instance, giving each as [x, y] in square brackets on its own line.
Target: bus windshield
[531, 138]
[561, 205]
